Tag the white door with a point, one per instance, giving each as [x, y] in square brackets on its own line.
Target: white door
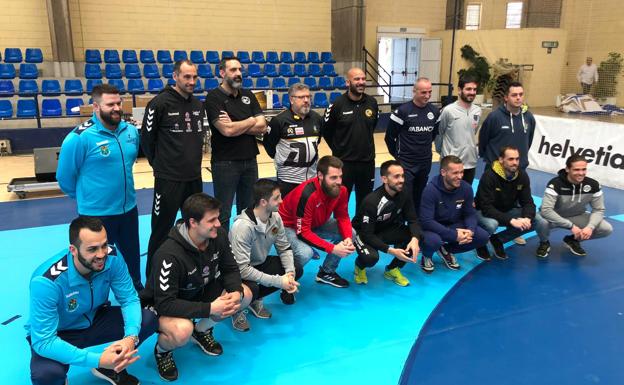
[430, 62]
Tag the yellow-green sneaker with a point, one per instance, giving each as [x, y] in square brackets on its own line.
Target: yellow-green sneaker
[360, 276]
[395, 276]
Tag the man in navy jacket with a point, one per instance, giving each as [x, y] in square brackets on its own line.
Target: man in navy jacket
[447, 216]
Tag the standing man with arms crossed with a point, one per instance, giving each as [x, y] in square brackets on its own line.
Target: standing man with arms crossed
[235, 119]
[95, 168]
[349, 126]
[411, 130]
[172, 138]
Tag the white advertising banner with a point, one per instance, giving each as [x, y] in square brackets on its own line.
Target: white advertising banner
[600, 142]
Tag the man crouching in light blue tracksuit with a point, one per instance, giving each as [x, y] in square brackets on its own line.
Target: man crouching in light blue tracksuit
[95, 168]
[70, 311]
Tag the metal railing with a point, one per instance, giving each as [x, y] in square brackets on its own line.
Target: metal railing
[371, 64]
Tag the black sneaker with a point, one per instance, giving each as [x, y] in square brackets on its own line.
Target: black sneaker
[121, 378]
[499, 249]
[574, 246]
[167, 369]
[207, 343]
[483, 254]
[287, 298]
[426, 264]
[449, 259]
[331, 279]
[543, 249]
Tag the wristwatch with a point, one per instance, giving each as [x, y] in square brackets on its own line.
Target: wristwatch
[135, 338]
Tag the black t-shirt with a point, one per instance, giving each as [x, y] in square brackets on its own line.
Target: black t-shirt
[240, 107]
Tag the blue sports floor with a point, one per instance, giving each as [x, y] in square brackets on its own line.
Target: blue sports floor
[520, 321]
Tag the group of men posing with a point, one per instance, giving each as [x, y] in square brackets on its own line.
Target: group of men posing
[200, 271]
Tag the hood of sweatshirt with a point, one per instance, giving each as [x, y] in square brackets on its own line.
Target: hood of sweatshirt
[499, 170]
[577, 189]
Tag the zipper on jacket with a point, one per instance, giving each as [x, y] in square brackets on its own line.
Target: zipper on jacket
[91, 306]
[123, 166]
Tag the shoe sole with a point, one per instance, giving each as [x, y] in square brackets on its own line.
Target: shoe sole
[202, 348]
[545, 254]
[395, 281]
[257, 315]
[484, 259]
[321, 280]
[103, 377]
[502, 258]
[521, 242]
[574, 252]
[360, 282]
[428, 271]
[449, 266]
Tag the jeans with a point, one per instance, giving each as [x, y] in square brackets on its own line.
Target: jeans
[490, 225]
[603, 229]
[232, 177]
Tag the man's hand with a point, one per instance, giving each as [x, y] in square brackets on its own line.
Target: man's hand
[414, 247]
[343, 248]
[401, 255]
[225, 305]
[288, 282]
[348, 241]
[224, 117]
[586, 233]
[576, 231]
[118, 356]
[464, 236]
[522, 224]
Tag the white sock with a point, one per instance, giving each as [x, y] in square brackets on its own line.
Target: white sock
[205, 324]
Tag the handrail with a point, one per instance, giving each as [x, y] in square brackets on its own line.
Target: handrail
[374, 64]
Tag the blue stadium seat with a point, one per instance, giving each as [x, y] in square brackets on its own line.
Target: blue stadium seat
[7, 88]
[325, 83]
[7, 71]
[121, 86]
[258, 57]
[320, 100]
[293, 81]
[73, 87]
[313, 57]
[167, 71]
[179, 54]
[278, 83]
[147, 56]
[92, 83]
[135, 86]
[132, 71]
[113, 71]
[197, 57]
[310, 82]
[285, 101]
[93, 56]
[129, 56]
[255, 71]
[26, 108]
[6, 109]
[204, 71]
[28, 71]
[212, 57]
[270, 70]
[333, 96]
[51, 107]
[244, 57]
[326, 57]
[150, 71]
[300, 57]
[262, 83]
[271, 57]
[286, 57]
[216, 71]
[93, 71]
[248, 83]
[34, 55]
[154, 86]
[51, 87]
[12, 55]
[71, 103]
[300, 70]
[276, 101]
[314, 70]
[111, 56]
[28, 87]
[198, 87]
[285, 70]
[225, 54]
[163, 56]
[339, 82]
[211, 84]
[329, 70]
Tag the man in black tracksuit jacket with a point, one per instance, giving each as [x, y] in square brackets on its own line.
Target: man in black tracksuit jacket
[349, 125]
[172, 138]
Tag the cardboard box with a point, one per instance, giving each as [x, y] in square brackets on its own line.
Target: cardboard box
[86, 110]
[141, 101]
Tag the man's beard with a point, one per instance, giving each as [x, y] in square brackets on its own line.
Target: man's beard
[89, 265]
[329, 191]
[235, 83]
[109, 118]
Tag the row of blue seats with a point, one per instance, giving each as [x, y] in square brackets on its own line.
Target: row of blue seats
[14, 55]
[151, 71]
[75, 86]
[26, 71]
[212, 57]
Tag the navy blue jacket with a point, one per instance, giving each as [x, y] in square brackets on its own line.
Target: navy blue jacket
[410, 132]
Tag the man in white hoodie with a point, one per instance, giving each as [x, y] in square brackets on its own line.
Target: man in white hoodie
[253, 234]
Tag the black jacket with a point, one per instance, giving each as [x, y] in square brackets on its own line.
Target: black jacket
[496, 194]
[172, 135]
[181, 273]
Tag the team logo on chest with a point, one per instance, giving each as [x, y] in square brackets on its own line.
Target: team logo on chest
[430, 115]
[104, 150]
[245, 100]
[72, 305]
[368, 113]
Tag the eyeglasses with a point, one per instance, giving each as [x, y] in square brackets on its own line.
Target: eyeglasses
[301, 97]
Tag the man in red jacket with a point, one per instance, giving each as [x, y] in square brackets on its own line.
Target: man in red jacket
[306, 212]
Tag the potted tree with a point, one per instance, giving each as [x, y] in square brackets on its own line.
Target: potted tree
[479, 69]
[608, 72]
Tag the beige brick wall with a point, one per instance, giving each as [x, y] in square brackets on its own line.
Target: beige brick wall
[281, 25]
[24, 24]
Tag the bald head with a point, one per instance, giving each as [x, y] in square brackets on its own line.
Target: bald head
[356, 82]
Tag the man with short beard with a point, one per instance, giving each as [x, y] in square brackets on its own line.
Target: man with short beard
[457, 128]
[235, 119]
[381, 222]
[293, 139]
[349, 126]
[95, 168]
[307, 212]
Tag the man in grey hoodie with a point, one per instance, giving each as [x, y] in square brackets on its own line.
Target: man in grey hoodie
[253, 234]
[564, 205]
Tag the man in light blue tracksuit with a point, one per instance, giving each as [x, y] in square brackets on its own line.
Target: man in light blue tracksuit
[95, 168]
